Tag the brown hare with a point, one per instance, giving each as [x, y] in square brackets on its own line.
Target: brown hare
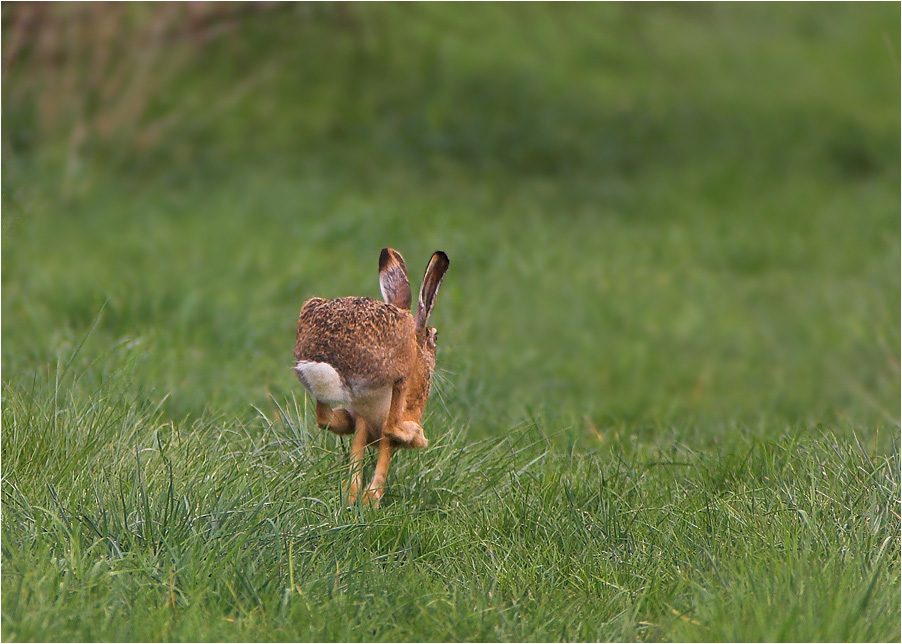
[374, 359]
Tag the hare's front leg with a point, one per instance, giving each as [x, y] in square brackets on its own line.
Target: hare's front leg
[407, 432]
[338, 421]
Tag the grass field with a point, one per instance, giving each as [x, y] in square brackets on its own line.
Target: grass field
[668, 387]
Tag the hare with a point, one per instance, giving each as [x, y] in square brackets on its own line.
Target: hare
[374, 359]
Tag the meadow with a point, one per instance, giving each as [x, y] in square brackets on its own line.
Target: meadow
[667, 398]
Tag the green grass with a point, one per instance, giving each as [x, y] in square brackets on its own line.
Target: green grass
[667, 404]
[121, 525]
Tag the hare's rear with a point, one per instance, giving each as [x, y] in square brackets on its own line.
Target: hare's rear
[369, 364]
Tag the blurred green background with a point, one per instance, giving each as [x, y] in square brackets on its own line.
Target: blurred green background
[667, 220]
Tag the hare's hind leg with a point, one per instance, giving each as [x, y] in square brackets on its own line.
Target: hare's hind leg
[414, 433]
[407, 432]
[358, 447]
[376, 488]
[338, 421]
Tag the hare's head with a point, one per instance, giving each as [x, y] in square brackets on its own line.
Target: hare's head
[395, 287]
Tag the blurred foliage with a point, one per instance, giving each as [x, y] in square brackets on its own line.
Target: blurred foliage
[84, 79]
[517, 89]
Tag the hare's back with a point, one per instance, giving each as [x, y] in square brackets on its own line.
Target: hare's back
[367, 343]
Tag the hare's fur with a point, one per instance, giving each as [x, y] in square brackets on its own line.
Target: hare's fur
[375, 359]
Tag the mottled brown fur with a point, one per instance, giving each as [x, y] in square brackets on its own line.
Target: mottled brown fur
[370, 343]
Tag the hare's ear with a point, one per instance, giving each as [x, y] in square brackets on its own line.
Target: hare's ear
[393, 280]
[435, 272]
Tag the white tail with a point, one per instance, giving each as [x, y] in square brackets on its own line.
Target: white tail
[323, 382]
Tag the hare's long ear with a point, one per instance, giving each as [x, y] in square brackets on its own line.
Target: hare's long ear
[393, 280]
[435, 272]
